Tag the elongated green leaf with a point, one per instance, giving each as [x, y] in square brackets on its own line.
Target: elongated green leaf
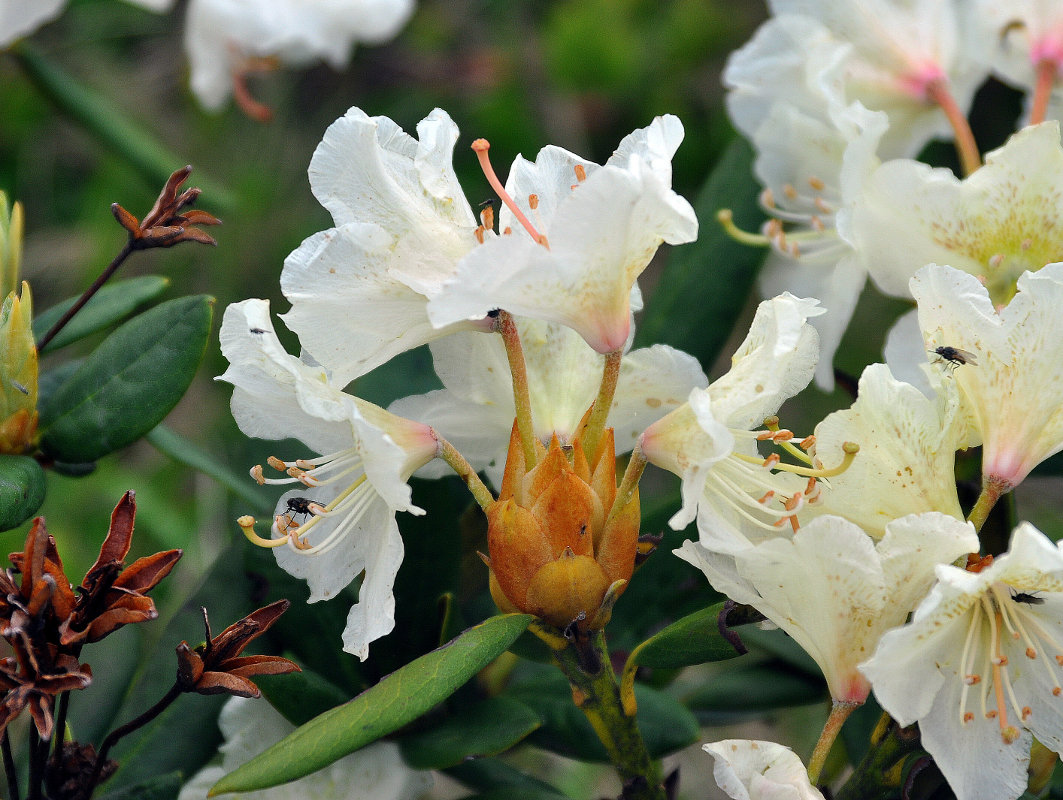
[752, 689]
[665, 724]
[133, 142]
[113, 302]
[694, 639]
[21, 490]
[129, 383]
[399, 698]
[162, 787]
[715, 269]
[494, 777]
[487, 728]
[186, 452]
[301, 696]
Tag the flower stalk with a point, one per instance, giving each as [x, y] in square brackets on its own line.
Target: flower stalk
[585, 662]
[966, 147]
[839, 712]
[507, 327]
[604, 402]
[992, 491]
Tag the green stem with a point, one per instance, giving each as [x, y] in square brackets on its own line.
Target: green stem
[586, 664]
[457, 462]
[507, 327]
[839, 712]
[603, 404]
[9, 766]
[992, 491]
[107, 123]
[879, 774]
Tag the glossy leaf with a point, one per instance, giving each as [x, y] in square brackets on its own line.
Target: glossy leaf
[399, 698]
[162, 787]
[110, 304]
[129, 383]
[694, 639]
[486, 728]
[185, 452]
[498, 779]
[21, 490]
[749, 690]
[665, 724]
[715, 269]
[300, 696]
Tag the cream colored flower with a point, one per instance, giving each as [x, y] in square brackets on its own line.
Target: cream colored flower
[748, 770]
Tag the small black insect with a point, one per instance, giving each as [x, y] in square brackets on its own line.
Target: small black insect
[299, 505]
[954, 356]
[487, 203]
[1027, 598]
[258, 331]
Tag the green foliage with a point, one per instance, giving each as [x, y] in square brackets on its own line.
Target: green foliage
[21, 490]
[486, 728]
[401, 697]
[110, 304]
[129, 383]
[694, 639]
[162, 787]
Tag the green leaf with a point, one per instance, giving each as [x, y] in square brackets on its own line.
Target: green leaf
[715, 260]
[483, 729]
[21, 490]
[129, 383]
[755, 688]
[162, 787]
[665, 723]
[399, 698]
[113, 302]
[109, 124]
[185, 452]
[498, 779]
[694, 639]
[301, 696]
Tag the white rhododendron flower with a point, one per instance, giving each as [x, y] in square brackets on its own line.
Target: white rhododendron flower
[475, 411]
[996, 224]
[376, 772]
[907, 456]
[1012, 386]
[349, 494]
[1019, 36]
[750, 770]
[978, 668]
[833, 589]
[358, 291]
[226, 38]
[595, 230]
[901, 53]
[20, 18]
[711, 440]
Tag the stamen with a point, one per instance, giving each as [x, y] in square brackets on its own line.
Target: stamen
[480, 147]
[247, 525]
[726, 218]
[487, 218]
[581, 173]
[971, 678]
[257, 474]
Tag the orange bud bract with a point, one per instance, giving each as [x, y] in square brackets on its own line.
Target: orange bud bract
[554, 551]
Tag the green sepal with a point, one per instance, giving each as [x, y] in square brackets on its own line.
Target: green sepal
[113, 302]
[399, 698]
[21, 490]
[487, 728]
[129, 383]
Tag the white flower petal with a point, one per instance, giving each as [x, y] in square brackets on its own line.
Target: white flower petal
[749, 770]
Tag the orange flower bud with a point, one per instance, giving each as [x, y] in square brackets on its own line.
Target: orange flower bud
[555, 552]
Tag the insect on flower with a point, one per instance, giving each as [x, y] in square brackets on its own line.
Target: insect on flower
[299, 505]
[1028, 598]
[954, 356]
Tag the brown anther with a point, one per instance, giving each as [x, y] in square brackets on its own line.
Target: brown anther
[1057, 691]
[295, 472]
[767, 198]
[767, 496]
[276, 463]
[968, 716]
[487, 218]
[771, 461]
[817, 184]
[782, 436]
[508, 231]
[283, 523]
[977, 563]
[479, 234]
[581, 173]
[533, 202]
[302, 463]
[1001, 660]
[1059, 660]
[790, 191]
[807, 443]
[256, 473]
[763, 436]
[991, 714]
[1026, 712]
[971, 680]
[166, 225]
[1031, 653]
[794, 501]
